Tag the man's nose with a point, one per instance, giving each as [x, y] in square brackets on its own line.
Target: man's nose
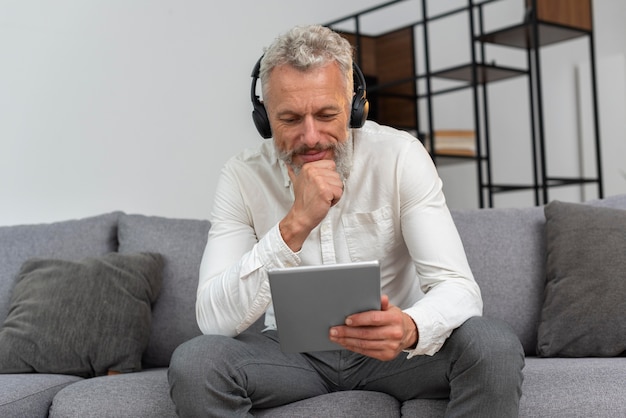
[310, 132]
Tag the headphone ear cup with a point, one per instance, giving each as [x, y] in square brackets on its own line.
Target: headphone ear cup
[360, 109]
[259, 113]
[261, 121]
[360, 105]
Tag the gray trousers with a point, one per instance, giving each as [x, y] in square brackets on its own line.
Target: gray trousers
[479, 369]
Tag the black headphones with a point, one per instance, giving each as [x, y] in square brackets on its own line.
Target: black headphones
[358, 112]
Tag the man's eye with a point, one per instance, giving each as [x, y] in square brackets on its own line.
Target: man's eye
[327, 116]
[289, 120]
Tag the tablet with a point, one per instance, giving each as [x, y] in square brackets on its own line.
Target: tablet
[308, 300]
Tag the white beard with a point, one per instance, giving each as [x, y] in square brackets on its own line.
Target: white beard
[343, 158]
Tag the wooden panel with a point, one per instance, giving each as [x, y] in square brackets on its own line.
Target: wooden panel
[575, 13]
[384, 59]
[394, 58]
[397, 112]
[366, 51]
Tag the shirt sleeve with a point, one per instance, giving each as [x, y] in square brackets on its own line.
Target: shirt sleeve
[451, 295]
[233, 288]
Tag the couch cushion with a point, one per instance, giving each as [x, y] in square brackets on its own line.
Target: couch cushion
[557, 388]
[84, 318]
[505, 248]
[138, 395]
[585, 294]
[425, 408]
[181, 242]
[616, 201]
[30, 395]
[346, 404]
[71, 240]
[580, 387]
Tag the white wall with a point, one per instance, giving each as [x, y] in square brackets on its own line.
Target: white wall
[129, 105]
[135, 105]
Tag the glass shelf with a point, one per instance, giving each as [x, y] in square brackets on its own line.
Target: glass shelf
[485, 73]
[520, 36]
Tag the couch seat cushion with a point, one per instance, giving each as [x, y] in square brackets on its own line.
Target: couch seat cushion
[139, 395]
[348, 404]
[425, 408]
[574, 387]
[30, 395]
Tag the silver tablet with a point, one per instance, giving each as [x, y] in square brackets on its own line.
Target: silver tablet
[309, 300]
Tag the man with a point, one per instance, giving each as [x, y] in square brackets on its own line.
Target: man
[321, 192]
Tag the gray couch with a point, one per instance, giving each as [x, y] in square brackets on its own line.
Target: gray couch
[506, 249]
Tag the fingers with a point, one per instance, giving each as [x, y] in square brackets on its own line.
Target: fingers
[379, 334]
[369, 342]
[371, 326]
[318, 183]
[384, 303]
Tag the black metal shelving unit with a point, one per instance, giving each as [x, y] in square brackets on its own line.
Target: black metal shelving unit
[530, 36]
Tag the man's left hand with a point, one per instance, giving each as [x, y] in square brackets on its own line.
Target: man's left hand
[379, 334]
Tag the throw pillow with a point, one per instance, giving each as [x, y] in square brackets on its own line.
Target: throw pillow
[584, 307]
[86, 318]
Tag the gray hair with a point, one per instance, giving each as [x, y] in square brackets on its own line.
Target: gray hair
[306, 47]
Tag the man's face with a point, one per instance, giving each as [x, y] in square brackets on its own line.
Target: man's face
[309, 113]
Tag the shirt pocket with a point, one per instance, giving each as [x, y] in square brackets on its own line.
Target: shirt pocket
[369, 235]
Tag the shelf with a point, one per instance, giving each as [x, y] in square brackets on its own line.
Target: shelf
[484, 73]
[460, 152]
[520, 36]
[402, 94]
[456, 153]
[452, 143]
[568, 181]
[502, 188]
[550, 182]
[452, 159]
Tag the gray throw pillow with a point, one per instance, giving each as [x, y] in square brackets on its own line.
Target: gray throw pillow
[86, 318]
[584, 309]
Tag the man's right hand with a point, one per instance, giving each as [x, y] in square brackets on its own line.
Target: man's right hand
[316, 189]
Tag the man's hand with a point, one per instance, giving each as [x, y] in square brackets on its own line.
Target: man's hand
[379, 334]
[316, 188]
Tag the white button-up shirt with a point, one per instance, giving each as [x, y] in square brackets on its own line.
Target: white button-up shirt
[392, 210]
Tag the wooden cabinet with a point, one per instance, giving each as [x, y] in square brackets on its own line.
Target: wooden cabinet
[572, 13]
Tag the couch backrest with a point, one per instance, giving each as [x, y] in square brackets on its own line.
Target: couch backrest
[506, 250]
[181, 242]
[71, 240]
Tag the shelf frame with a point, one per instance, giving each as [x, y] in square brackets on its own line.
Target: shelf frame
[541, 27]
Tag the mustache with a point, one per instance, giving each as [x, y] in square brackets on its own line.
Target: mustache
[342, 152]
[305, 149]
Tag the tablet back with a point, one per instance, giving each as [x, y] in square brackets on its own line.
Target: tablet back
[309, 300]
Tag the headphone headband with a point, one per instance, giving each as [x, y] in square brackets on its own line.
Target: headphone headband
[358, 110]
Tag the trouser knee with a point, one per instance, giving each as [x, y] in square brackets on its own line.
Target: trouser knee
[486, 362]
[191, 361]
[491, 344]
